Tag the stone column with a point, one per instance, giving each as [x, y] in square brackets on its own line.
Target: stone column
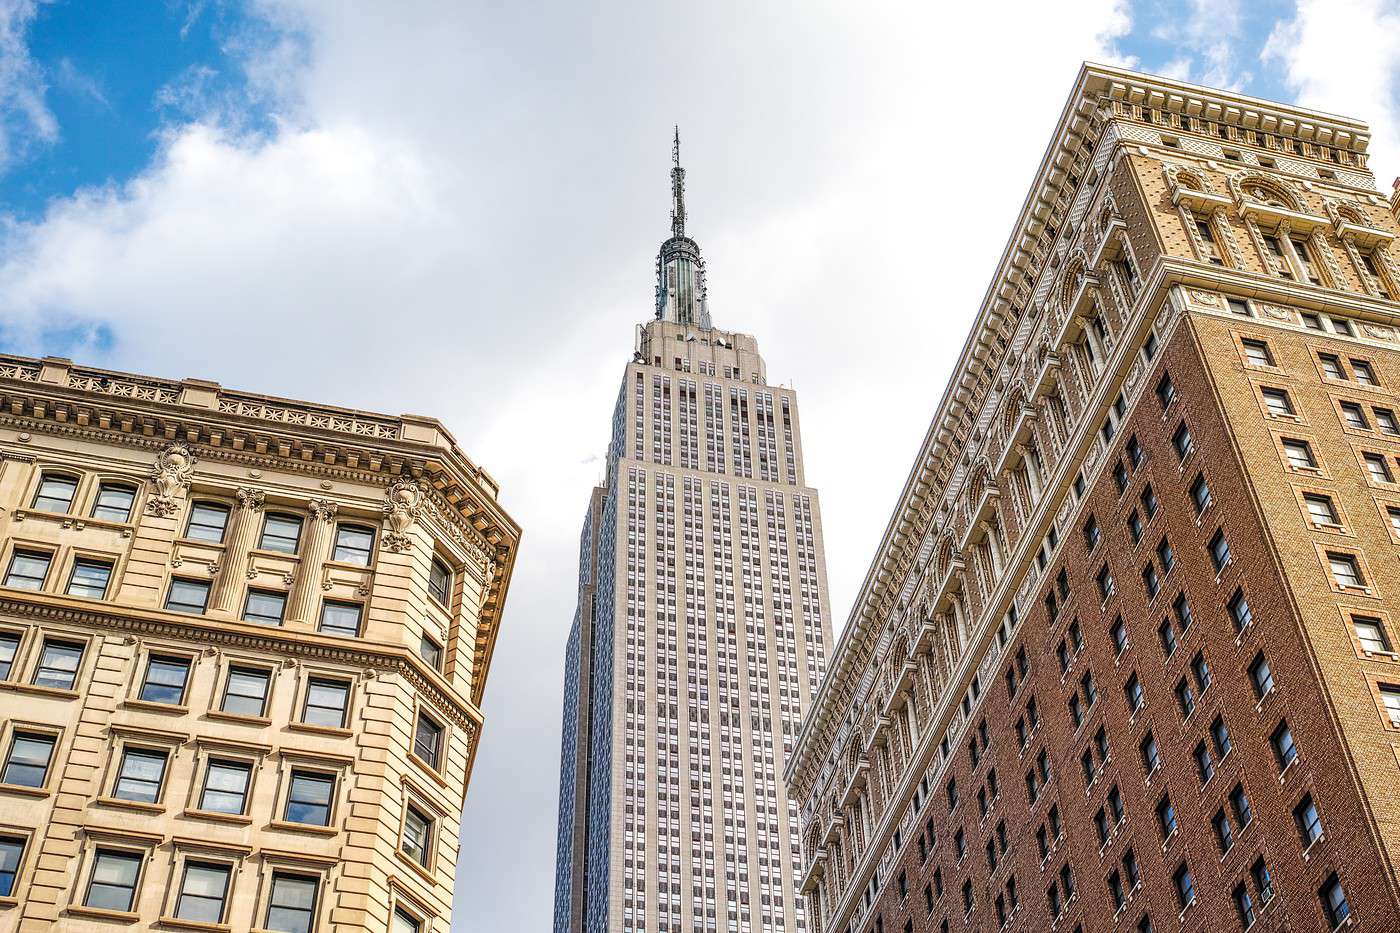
[314, 552]
[238, 541]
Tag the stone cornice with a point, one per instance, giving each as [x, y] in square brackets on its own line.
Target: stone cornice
[388, 659]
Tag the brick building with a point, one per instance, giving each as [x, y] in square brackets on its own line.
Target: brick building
[1126, 658]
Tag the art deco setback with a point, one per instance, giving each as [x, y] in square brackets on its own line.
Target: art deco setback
[243, 644]
[1125, 659]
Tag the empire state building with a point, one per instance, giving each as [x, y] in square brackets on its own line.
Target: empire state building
[699, 638]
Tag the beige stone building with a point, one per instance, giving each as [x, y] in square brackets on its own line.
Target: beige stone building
[243, 643]
[1126, 658]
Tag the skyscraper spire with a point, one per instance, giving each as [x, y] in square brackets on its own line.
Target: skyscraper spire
[677, 188]
[680, 271]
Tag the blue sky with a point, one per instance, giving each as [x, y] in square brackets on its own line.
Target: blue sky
[452, 207]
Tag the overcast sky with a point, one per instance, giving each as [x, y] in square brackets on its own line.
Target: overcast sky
[453, 209]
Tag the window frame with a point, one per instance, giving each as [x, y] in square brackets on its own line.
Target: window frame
[143, 679]
[219, 700]
[126, 853]
[45, 476]
[341, 604]
[29, 553]
[178, 893]
[272, 516]
[16, 731]
[212, 505]
[169, 604]
[112, 485]
[369, 550]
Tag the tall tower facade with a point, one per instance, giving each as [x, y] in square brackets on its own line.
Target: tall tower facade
[243, 644]
[1126, 659]
[699, 638]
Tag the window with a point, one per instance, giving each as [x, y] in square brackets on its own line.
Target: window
[1182, 442]
[1240, 614]
[1120, 475]
[208, 521]
[1166, 390]
[1306, 818]
[1334, 902]
[1299, 454]
[1371, 633]
[1132, 691]
[1368, 261]
[1244, 905]
[440, 581]
[1303, 250]
[1200, 493]
[1115, 804]
[339, 618]
[203, 892]
[27, 764]
[1224, 832]
[1166, 817]
[266, 607]
[89, 578]
[1364, 373]
[1205, 764]
[1390, 697]
[114, 502]
[1284, 749]
[1277, 402]
[1185, 888]
[1165, 555]
[353, 545]
[245, 694]
[165, 680]
[1376, 466]
[1149, 502]
[1091, 534]
[1263, 883]
[1260, 675]
[1386, 420]
[1167, 635]
[55, 494]
[1393, 514]
[291, 906]
[1275, 248]
[431, 652]
[1105, 582]
[1210, 249]
[1354, 416]
[1151, 582]
[1201, 671]
[404, 923]
[1311, 321]
[1135, 525]
[417, 841]
[1238, 306]
[281, 533]
[1219, 550]
[190, 596]
[226, 787]
[11, 855]
[1257, 352]
[309, 798]
[28, 570]
[1091, 693]
[1321, 510]
[113, 882]
[1134, 449]
[1220, 735]
[1331, 366]
[58, 664]
[1345, 569]
[140, 776]
[326, 703]
[9, 647]
[427, 741]
[1185, 698]
[1119, 635]
[1151, 757]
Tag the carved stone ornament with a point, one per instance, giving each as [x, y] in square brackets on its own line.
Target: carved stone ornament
[170, 476]
[251, 499]
[321, 509]
[403, 503]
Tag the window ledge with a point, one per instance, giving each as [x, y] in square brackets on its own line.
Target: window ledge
[237, 819]
[176, 923]
[429, 769]
[100, 913]
[129, 804]
[417, 869]
[260, 721]
[151, 706]
[309, 828]
[23, 791]
[35, 689]
[337, 732]
[9, 902]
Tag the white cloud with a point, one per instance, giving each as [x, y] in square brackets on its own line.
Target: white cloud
[25, 118]
[78, 82]
[455, 211]
[1343, 56]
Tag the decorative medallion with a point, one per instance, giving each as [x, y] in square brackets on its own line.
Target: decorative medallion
[171, 475]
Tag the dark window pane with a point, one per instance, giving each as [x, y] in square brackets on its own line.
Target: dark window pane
[281, 533]
[207, 522]
[165, 680]
[55, 494]
[114, 503]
